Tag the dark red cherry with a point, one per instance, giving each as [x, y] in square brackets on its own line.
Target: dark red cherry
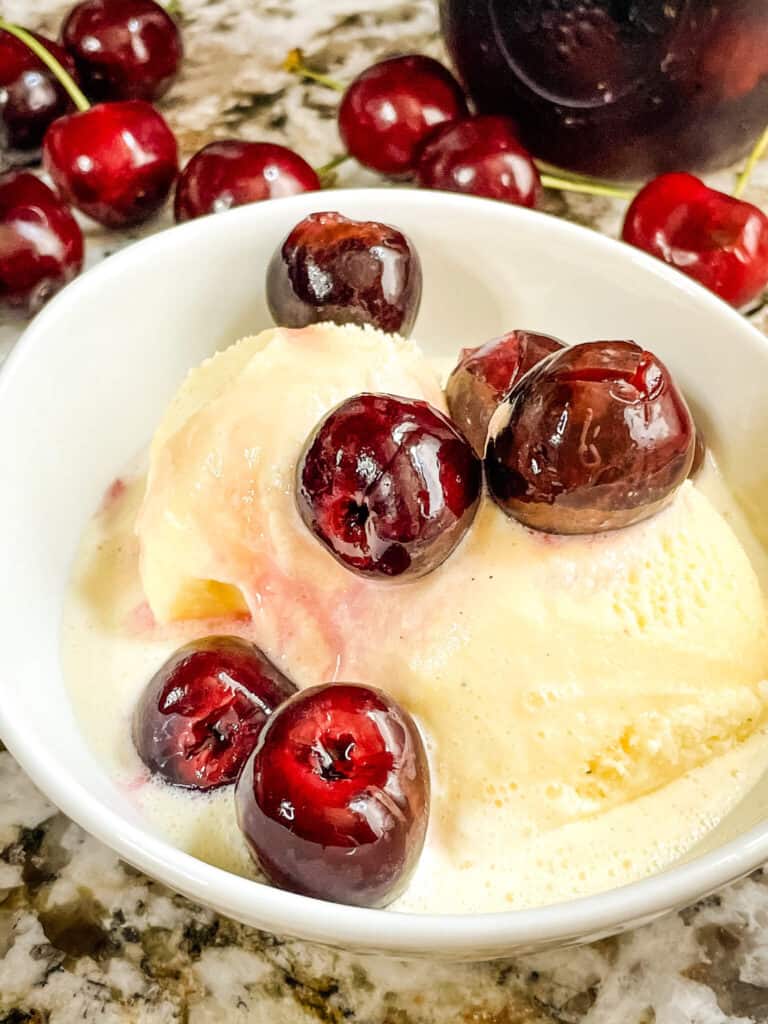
[480, 156]
[30, 97]
[231, 173]
[334, 800]
[200, 716]
[389, 110]
[41, 244]
[715, 239]
[349, 271]
[116, 162]
[124, 49]
[484, 375]
[388, 485]
[594, 438]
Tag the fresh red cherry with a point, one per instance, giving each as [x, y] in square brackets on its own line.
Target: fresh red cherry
[388, 485]
[334, 800]
[389, 110]
[484, 375]
[231, 173]
[41, 244]
[715, 239]
[594, 438]
[116, 162]
[352, 272]
[124, 49]
[480, 156]
[198, 719]
[30, 97]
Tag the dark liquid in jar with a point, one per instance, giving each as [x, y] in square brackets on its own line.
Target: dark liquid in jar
[615, 88]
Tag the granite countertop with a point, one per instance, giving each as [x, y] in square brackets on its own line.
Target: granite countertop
[83, 937]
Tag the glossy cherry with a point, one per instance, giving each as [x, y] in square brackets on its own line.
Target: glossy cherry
[484, 375]
[388, 485]
[479, 156]
[30, 97]
[715, 239]
[199, 717]
[116, 162]
[124, 49]
[334, 800]
[594, 438]
[231, 173]
[389, 110]
[352, 272]
[41, 244]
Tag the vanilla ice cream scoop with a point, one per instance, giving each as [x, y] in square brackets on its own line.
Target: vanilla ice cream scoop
[555, 677]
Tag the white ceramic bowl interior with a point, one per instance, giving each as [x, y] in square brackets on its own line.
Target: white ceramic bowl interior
[83, 391]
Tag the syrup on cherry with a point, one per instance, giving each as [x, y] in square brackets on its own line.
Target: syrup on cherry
[201, 714]
[333, 268]
[594, 438]
[718, 240]
[484, 375]
[124, 49]
[334, 800]
[230, 173]
[389, 110]
[388, 485]
[41, 244]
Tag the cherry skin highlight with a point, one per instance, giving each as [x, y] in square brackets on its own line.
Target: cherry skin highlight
[41, 244]
[230, 173]
[31, 98]
[124, 49]
[116, 162]
[480, 156]
[717, 240]
[484, 375]
[200, 715]
[594, 438]
[390, 109]
[334, 800]
[388, 485]
[348, 271]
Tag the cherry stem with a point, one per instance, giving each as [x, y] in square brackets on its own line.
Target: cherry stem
[294, 63]
[330, 167]
[752, 160]
[62, 75]
[586, 187]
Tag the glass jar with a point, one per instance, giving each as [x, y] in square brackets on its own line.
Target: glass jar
[621, 89]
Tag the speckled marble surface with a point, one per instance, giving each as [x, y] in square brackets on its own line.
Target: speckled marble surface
[85, 938]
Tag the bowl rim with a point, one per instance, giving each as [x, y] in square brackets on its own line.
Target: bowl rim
[285, 913]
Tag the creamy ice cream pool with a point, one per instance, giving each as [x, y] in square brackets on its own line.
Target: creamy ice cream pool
[593, 706]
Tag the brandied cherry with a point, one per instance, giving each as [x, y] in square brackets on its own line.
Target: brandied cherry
[594, 438]
[124, 49]
[388, 485]
[484, 375]
[712, 237]
[390, 109]
[41, 244]
[231, 173]
[480, 156]
[352, 272]
[116, 161]
[200, 716]
[31, 97]
[334, 800]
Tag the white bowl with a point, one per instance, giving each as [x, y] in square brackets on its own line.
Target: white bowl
[83, 392]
